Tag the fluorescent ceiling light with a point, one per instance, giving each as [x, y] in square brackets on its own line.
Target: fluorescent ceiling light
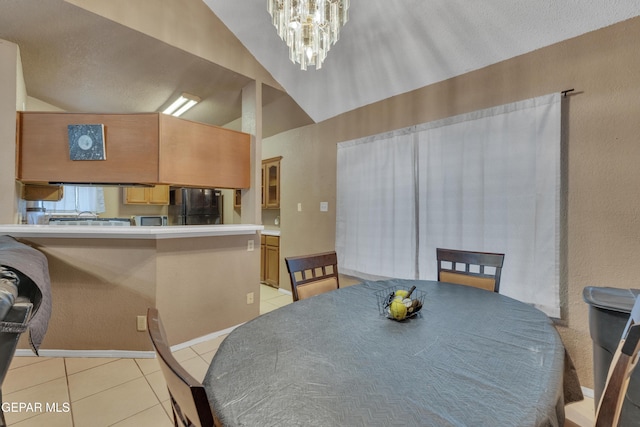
[182, 104]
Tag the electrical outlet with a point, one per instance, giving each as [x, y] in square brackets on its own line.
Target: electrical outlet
[324, 206]
[141, 323]
[250, 298]
[299, 207]
[250, 245]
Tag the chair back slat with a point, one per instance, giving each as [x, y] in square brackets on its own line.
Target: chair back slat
[460, 271]
[313, 274]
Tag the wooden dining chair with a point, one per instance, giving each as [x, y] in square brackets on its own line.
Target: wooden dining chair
[313, 274]
[188, 398]
[469, 268]
[624, 361]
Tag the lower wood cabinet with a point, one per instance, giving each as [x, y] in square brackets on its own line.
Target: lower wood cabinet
[270, 260]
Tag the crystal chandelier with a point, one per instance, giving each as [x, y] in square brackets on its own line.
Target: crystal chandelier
[309, 27]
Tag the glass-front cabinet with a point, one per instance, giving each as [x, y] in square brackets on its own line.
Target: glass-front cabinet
[271, 183]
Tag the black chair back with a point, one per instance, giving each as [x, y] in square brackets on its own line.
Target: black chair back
[473, 272]
[313, 274]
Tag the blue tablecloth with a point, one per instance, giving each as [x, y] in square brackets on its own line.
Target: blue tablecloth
[470, 358]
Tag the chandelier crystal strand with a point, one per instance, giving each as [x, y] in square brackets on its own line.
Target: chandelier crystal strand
[309, 27]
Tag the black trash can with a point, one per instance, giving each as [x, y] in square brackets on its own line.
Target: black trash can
[609, 310]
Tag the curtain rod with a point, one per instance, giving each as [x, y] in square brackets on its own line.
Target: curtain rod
[565, 92]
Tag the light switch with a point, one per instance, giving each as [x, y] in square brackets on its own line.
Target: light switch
[141, 323]
[299, 207]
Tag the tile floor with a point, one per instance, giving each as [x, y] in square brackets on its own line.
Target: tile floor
[93, 392]
[580, 414]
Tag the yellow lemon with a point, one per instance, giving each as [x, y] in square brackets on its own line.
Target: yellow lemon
[398, 310]
[401, 293]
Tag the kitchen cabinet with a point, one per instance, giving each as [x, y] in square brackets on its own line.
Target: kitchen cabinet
[271, 183]
[144, 148]
[50, 193]
[270, 186]
[263, 251]
[270, 260]
[156, 195]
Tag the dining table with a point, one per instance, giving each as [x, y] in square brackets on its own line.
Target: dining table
[468, 357]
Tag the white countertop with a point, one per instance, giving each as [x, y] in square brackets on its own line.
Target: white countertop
[271, 232]
[114, 232]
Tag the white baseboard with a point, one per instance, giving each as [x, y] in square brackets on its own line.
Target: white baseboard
[284, 291]
[120, 354]
[114, 354]
[588, 392]
[204, 338]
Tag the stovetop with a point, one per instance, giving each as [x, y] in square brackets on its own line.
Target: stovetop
[96, 222]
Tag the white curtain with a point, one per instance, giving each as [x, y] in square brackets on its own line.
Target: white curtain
[484, 181]
[78, 199]
[376, 207]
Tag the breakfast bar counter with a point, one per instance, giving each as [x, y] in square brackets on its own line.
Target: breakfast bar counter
[91, 232]
[103, 279]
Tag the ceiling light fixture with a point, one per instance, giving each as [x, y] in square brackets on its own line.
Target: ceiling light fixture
[182, 104]
[309, 27]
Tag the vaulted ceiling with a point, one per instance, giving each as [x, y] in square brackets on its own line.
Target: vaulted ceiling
[78, 60]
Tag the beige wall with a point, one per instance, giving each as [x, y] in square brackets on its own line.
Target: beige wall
[601, 159]
[100, 286]
[11, 93]
[205, 283]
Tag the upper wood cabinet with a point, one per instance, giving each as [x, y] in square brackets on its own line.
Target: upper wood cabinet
[156, 195]
[140, 149]
[271, 183]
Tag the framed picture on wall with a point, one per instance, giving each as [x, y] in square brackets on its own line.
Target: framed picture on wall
[87, 142]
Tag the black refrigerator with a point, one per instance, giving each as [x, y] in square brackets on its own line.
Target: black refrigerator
[195, 206]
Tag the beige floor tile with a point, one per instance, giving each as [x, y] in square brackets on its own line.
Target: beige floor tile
[166, 405]
[33, 374]
[148, 366]
[581, 413]
[113, 405]
[281, 301]
[267, 292]
[102, 377]
[275, 303]
[158, 385]
[79, 364]
[49, 419]
[152, 417]
[17, 362]
[208, 346]
[43, 398]
[208, 357]
[266, 307]
[197, 367]
[184, 354]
